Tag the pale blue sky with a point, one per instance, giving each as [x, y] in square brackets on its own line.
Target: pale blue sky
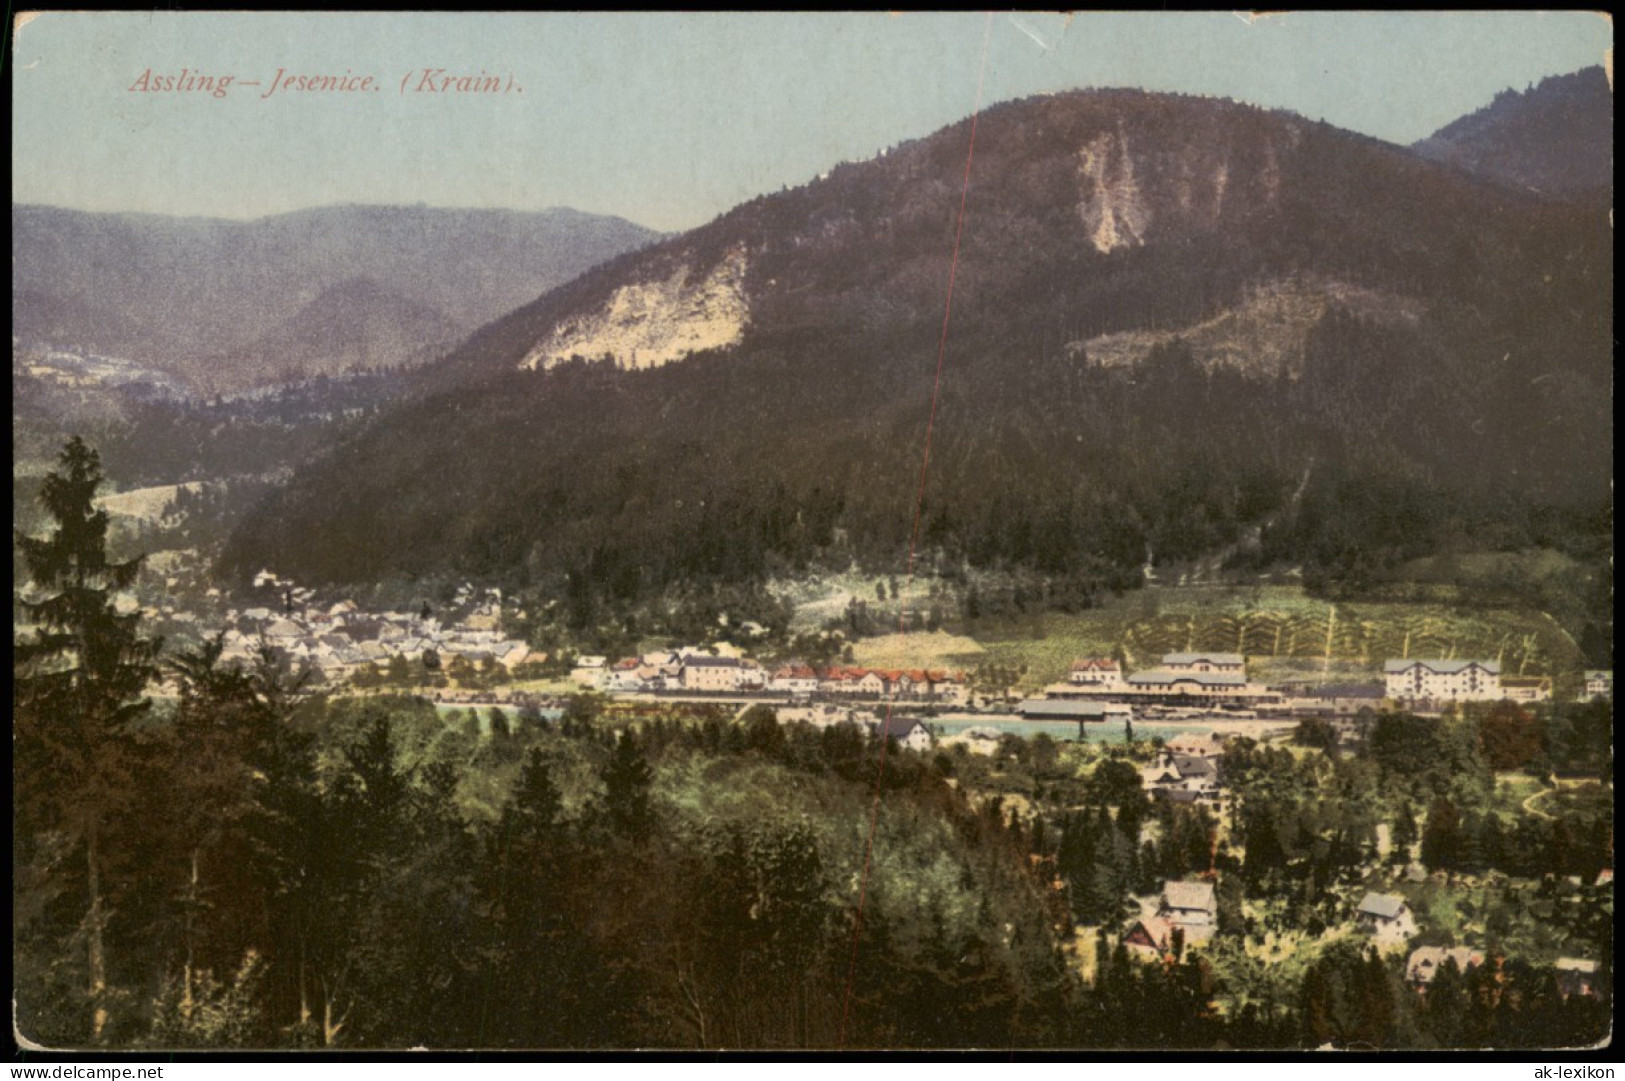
[672, 119]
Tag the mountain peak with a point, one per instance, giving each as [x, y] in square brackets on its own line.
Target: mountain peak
[1556, 138]
[1163, 308]
[1062, 180]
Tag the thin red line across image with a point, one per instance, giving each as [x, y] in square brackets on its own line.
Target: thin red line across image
[914, 532]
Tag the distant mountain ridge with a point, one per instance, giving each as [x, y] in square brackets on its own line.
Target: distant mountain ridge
[228, 304]
[1275, 303]
[1556, 137]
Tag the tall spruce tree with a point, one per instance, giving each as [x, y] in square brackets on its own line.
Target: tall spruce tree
[80, 672]
[627, 778]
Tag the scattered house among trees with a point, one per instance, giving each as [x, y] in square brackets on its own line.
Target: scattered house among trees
[907, 731]
[1150, 938]
[1426, 961]
[1184, 778]
[1599, 683]
[1191, 905]
[1576, 976]
[1442, 681]
[1387, 918]
[1186, 912]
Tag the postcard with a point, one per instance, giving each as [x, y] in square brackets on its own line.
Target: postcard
[812, 532]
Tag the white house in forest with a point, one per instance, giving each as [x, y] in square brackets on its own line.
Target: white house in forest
[1191, 905]
[908, 732]
[1387, 918]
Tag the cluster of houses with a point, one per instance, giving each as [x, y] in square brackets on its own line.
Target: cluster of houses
[1187, 912]
[1387, 918]
[1187, 770]
[693, 671]
[1184, 912]
[338, 642]
[1575, 975]
[689, 670]
[909, 733]
[1218, 681]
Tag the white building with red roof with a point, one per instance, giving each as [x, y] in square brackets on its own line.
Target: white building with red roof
[1096, 672]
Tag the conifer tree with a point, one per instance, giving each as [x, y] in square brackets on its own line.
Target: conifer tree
[626, 788]
[80, 673]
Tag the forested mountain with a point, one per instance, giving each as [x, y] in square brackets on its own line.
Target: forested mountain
[228, 304]
[1557, 137]
[1176, 321]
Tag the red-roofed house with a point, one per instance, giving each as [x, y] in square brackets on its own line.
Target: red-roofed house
[1096, 672]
